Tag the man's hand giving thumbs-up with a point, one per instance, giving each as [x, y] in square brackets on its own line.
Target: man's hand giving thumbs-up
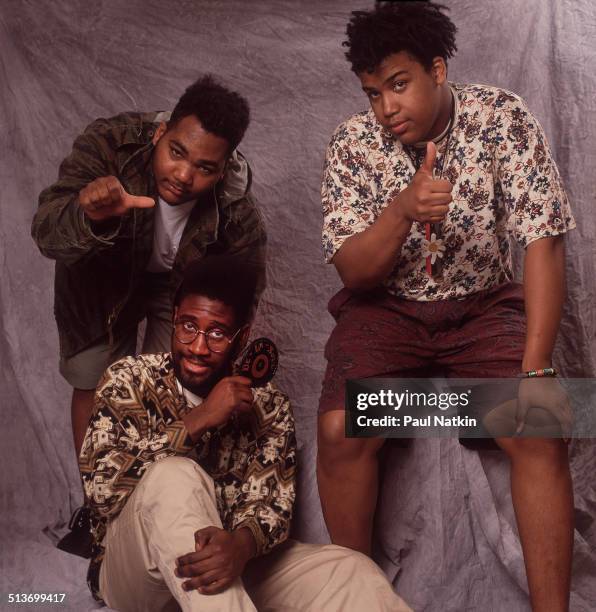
[426, 199]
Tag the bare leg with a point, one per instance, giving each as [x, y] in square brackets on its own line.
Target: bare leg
[348, 476]
[542, 495]
[80, 413]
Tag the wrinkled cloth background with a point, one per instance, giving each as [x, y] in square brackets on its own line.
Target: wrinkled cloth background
[445, 523]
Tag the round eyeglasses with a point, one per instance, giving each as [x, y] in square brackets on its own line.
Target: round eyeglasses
[217, 340]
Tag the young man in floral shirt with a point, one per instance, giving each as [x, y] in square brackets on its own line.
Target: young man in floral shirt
[420, 197]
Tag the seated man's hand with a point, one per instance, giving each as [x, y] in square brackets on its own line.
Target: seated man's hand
[219, 558]
[105, 198]
[230, 395]
[542, 397]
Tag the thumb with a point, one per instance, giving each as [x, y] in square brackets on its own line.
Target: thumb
[132, 201]
[428, 165]
[202, 537]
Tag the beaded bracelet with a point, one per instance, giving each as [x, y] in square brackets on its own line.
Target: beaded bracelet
[538, 373]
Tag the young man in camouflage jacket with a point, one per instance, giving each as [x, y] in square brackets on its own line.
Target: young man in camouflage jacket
[140, 196]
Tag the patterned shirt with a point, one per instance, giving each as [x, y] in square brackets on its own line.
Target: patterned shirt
[137, 420]
[505, 182]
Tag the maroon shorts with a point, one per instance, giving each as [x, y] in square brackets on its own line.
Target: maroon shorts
[377, 334]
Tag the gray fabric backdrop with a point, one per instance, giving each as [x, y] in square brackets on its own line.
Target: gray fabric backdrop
[446, 524]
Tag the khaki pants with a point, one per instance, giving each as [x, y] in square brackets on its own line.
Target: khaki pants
[174, 499]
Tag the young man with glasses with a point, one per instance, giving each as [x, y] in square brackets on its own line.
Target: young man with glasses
[421, 194]
[190, 476]
[141, 196]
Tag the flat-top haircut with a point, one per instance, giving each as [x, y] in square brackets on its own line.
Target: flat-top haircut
[421, 29]
[225, 278]
[222, 112]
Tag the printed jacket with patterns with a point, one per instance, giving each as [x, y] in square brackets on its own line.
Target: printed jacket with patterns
[137, 420]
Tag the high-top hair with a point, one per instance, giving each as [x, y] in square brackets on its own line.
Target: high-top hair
[226, 278]
[421, 29]
[222, 112]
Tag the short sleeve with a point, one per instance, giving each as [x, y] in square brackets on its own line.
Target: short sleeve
[535, 200]
[345, 191]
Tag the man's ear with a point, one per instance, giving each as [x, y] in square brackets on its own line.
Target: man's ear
[439, 70]
[174, 314]
[159, 132]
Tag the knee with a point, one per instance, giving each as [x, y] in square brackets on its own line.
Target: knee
[173, 473]
[333, 444]
[548, 451]
[357, 560]
[363, 571]
[173, 495]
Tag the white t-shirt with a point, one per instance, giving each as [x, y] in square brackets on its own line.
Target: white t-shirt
[169, 225]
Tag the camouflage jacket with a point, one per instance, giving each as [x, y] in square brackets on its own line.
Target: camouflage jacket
[97, 273]
[137, 420]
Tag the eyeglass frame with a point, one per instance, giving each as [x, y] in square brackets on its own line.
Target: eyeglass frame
[205, 333]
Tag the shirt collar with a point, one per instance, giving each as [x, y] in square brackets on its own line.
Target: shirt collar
[191, 398]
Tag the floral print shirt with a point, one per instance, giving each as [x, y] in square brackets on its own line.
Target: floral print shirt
[137, 421]
[505, 183]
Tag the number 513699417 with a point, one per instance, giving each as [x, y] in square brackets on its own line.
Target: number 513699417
[50, 598]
